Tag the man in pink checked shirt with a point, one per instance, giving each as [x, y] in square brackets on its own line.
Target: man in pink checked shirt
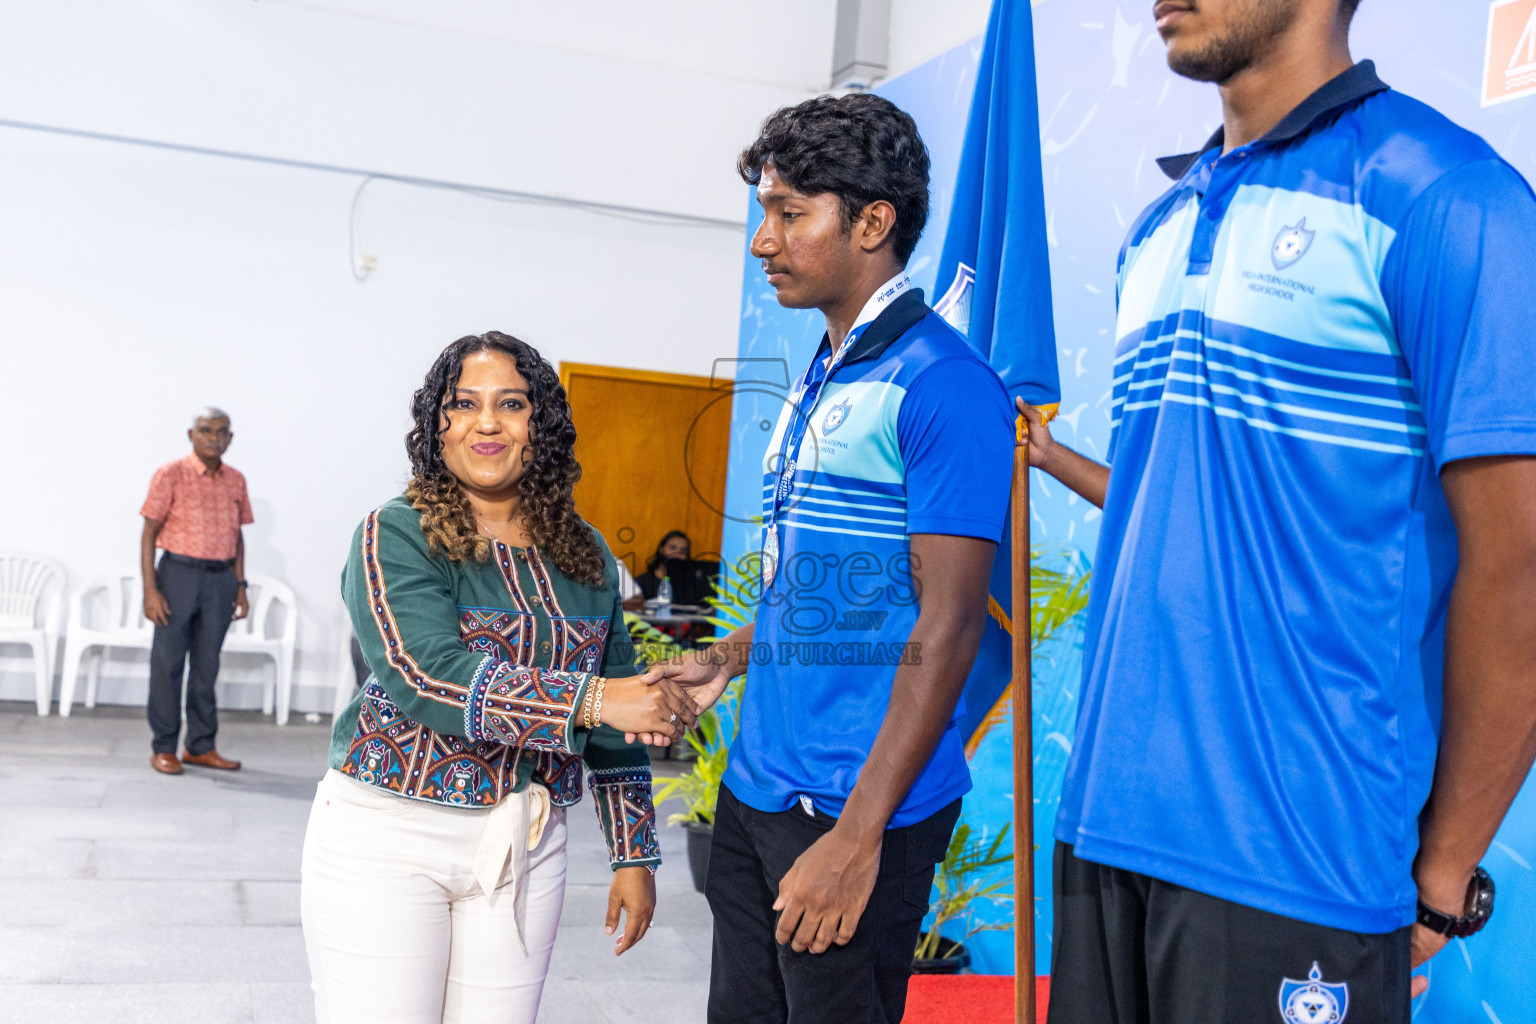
[194, 512]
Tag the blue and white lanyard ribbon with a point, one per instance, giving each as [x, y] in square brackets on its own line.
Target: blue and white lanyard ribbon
[802, 405]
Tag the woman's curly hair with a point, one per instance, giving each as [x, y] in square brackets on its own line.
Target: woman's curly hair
[549, 473]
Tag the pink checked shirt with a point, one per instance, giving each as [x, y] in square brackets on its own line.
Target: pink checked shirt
[202, 512]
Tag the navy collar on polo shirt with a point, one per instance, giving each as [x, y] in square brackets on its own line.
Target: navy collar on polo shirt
[905, 310]
[1345, 88]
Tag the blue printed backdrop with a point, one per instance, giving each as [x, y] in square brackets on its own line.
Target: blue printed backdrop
[1108, 107]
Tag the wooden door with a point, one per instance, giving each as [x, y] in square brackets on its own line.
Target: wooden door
[652, 448]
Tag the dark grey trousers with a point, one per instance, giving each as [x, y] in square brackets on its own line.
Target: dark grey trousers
[202, 603]
[754, 980]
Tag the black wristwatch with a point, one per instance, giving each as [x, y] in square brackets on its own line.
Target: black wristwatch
[242, 583]
[1479, 909]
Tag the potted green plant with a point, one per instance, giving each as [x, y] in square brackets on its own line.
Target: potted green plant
[959, 882]
[1056, 597]
[733, 604]
[651, 644]
[699, 787]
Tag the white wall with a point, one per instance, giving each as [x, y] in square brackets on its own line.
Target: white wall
[787, 45]
[334, 88]
[139, 283]
[923, 29]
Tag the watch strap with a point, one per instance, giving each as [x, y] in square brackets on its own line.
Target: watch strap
[1479, 908]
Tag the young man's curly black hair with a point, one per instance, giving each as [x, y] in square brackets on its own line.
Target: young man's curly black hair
[858, 147]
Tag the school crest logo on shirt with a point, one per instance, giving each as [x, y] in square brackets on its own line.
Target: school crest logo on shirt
[836, 416]
[1291, 244]
[1313, 1001]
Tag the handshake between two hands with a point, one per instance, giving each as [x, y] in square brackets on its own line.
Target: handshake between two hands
[659, 706]
[825, 892]
[656, 708]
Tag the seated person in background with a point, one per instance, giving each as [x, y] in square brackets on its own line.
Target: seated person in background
[674, 545]
[675, 550]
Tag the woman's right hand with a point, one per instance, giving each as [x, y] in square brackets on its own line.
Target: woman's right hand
[703, 674]
[632, 706]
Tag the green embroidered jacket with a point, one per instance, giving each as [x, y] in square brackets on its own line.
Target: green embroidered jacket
[478, 670]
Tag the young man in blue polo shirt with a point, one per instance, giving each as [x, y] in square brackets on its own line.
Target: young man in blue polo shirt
[885, 491]
[1309, 675]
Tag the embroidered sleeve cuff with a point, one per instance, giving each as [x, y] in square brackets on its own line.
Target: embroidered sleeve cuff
[474, 707]
[522, 707]
[626, 815]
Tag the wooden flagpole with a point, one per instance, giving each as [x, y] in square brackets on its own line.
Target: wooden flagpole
[1023, 748]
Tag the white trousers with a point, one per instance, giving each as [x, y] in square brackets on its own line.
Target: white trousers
[397, 927]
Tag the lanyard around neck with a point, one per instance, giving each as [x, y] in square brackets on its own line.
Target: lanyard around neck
[802, 404]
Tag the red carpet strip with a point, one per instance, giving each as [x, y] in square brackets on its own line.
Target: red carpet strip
[968, 999]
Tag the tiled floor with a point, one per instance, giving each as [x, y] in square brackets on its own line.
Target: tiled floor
[128, 896]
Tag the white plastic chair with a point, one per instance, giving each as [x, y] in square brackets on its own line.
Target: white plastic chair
[124, 626]
[94, 628]
[628, 588]
[30, 584]
[253, 635]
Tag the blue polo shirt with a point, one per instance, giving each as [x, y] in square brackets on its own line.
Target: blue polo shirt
[911, 434]
[1310, 327]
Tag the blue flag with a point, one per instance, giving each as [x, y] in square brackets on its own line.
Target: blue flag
[997, 272]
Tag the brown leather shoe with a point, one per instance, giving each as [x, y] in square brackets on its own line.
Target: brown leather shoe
[166, 763]
[212, 759]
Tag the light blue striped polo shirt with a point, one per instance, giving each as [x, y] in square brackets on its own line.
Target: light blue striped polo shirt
[1309, 328]
[912, 434]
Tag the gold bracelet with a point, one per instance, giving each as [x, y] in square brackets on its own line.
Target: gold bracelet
[586, 704]
[597, 707]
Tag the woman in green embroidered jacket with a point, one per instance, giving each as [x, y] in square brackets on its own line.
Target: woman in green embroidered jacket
[488, 612]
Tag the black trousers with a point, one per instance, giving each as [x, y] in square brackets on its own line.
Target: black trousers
[754, 980]
[202, 603]
[1129, 949]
